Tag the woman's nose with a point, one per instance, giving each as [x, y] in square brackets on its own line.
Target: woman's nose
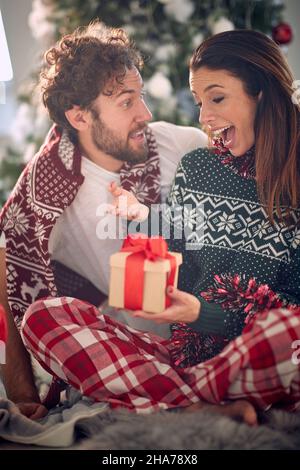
[206, 116]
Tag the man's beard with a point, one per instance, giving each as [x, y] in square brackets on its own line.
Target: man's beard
[109, 142]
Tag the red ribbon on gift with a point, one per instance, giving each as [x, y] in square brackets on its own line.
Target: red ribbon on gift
[142, 249]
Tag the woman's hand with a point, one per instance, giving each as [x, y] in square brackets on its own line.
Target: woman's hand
[126, 204]
[185, 308]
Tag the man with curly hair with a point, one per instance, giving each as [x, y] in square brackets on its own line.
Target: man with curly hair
[52, 240]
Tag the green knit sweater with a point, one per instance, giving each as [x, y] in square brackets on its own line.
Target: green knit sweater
[227, 231]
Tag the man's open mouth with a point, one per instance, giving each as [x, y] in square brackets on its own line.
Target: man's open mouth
[138, 135]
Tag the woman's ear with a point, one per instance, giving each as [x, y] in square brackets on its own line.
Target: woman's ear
[78, 118]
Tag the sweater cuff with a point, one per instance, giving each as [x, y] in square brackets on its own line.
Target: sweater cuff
[211, 319]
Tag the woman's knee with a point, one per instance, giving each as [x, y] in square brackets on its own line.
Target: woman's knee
[276, 316]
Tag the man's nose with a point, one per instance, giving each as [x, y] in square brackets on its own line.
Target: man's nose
[144, 113]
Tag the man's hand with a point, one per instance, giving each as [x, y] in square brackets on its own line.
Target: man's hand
[185, 308]
[32, 410]
[126, 204]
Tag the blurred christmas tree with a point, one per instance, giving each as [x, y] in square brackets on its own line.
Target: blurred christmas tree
[166, 31]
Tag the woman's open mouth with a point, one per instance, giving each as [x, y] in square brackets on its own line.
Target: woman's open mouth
[225, 135]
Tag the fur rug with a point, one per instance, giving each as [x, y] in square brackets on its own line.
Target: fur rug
[201, 430]
[189, 431]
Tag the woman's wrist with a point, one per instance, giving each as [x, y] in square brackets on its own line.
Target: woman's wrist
[195, 310]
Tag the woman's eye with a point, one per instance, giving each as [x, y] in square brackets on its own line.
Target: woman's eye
[218, 100]
[198, 105]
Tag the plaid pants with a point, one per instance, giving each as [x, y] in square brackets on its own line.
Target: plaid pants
[111, 362]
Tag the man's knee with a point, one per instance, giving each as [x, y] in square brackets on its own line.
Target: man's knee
[39, 308]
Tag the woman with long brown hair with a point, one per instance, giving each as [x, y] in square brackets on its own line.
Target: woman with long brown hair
[239, 289]
[259, 66]
[246, 258]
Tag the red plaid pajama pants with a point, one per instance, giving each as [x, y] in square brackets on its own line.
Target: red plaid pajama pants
[111, 362]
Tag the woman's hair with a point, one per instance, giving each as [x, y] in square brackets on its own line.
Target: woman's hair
[258, 62]
[92, 60]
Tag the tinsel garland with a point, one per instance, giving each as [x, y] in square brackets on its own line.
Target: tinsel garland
[189, 347]
[236, 295]
[219, 147]
[243, 165]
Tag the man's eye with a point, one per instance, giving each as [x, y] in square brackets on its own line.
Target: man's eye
[218, 100]
[126, 104]
[198, 105]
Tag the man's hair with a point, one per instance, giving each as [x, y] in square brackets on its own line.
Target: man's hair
[90, 61]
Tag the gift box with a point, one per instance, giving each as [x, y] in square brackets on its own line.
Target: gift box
[140, 274]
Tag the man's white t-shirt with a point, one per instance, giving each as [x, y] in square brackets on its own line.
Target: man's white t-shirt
[77, 239]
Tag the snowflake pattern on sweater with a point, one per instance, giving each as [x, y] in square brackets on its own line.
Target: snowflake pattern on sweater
[231, 235]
